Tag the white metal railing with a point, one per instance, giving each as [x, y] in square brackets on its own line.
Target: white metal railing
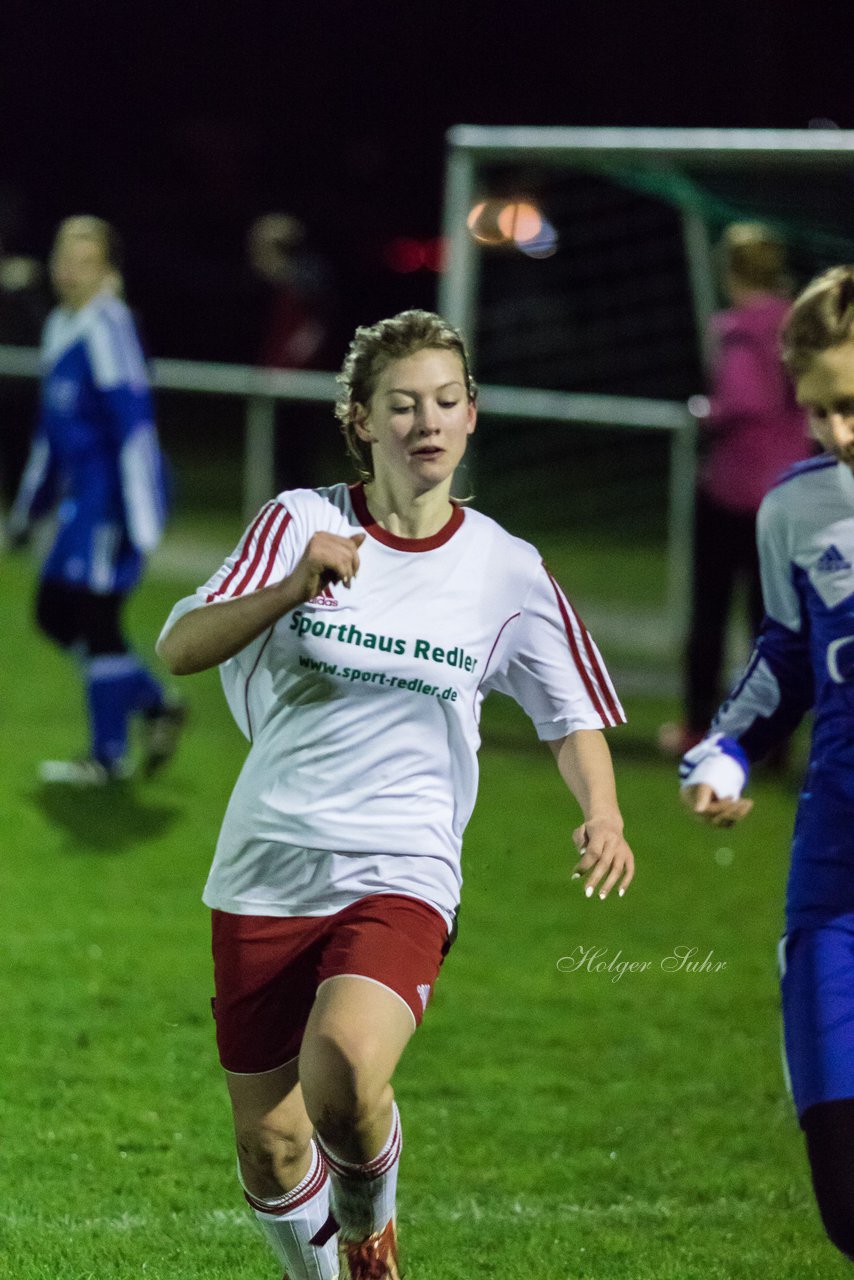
[262, 388]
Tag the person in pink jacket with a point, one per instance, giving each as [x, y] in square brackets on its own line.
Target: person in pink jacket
[752, 430]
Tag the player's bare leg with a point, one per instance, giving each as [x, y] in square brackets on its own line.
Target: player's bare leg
[283, 1173]
[355, 1036]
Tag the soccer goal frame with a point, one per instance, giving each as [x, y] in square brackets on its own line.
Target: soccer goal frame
[600, 150]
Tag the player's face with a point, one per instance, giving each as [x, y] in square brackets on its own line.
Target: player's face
[826, 390]
[419, 419]
[78, 270]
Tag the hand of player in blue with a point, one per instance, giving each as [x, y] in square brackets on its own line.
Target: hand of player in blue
[605, 855]
[703, 801]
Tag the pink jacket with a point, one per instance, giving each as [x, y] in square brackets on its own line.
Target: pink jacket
[755, 429]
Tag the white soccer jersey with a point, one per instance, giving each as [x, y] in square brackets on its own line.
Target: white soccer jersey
[362, 705]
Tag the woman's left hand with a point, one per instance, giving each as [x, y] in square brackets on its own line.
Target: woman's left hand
[604, 856]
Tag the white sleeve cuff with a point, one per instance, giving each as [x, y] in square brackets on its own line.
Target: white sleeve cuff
[724, 775]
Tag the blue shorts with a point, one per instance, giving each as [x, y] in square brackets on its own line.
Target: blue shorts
[817, 982]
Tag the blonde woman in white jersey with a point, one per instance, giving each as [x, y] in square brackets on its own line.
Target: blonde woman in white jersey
[358, 629]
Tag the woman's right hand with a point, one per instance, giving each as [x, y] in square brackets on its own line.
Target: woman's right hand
[215, 632]
[328, 558]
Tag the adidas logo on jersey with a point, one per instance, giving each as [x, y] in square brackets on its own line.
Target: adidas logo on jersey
[325, 600]
[832, 560]
[423, 990]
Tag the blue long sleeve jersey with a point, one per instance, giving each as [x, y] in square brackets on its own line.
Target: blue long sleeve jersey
[95, 455]
[804, 657]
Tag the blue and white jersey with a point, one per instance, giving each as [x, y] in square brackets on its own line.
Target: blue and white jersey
[95, 455]
[804, 658]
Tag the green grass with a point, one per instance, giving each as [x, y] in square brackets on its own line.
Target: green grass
[558, 1125]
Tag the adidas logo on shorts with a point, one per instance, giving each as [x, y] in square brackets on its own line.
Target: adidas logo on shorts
[423, 990]
[832, 560]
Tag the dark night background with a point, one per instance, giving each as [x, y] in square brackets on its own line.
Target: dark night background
[180, 123]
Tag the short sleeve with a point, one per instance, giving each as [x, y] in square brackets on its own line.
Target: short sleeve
[257, 560]
[268, 551]
[265, 554]
[551, 667]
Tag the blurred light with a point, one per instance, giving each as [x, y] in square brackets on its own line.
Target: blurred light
[822, 122]
[483, 222]
[543, 245]
[435, 254]
[520, 221]
[513, 222]
[405, 255]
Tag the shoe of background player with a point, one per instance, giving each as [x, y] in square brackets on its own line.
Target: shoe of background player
[675, 739]
[161, 734]
[371, 1259]
[85, 772]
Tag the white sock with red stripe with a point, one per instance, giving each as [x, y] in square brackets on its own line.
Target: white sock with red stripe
[364, 1195]
[299, 1226]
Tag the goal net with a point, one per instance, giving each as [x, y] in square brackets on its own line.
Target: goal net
[605, 304]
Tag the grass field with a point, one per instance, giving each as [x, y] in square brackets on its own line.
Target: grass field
[559, 1125]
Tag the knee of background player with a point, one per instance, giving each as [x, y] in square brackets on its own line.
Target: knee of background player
[86, 621]
[56, 614]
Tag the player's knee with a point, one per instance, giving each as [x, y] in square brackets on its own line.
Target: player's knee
[270, 1148]
[342, 1087]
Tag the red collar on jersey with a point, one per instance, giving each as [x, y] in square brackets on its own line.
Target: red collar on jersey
[363, 515]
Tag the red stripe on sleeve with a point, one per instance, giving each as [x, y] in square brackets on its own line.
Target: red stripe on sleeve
[600, 674]
[241, 560]
[274, 547]
[576, 654]
[259, 551]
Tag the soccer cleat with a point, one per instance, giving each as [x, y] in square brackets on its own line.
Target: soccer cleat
[83, 773]
[161, 733]
[371, 1259]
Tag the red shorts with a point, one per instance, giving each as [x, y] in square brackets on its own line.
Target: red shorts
[267, 970]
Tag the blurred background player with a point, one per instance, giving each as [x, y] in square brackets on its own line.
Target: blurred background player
[298, 311]
[804, 658]
[752, 429]
[356, 644]
[95, 461]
